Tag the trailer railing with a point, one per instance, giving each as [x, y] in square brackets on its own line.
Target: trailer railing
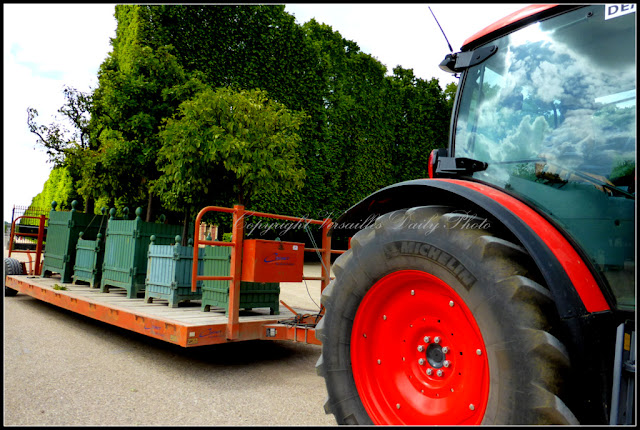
[40, 237]
[239, 213]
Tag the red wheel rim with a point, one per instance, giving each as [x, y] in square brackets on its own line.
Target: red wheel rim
[393, 346]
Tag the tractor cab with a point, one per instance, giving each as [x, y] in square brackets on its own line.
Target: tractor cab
[548, 114]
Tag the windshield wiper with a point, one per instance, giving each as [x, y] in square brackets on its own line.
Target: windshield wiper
[593, 179]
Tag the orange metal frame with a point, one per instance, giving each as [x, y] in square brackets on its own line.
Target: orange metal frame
[234, 329]
[39, 235]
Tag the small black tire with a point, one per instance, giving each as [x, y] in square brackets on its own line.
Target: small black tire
[11, 267]
[495, 284]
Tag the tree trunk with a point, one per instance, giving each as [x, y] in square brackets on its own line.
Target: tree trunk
[242, 198]
[149, 204]
[185, 228]
[90, 205]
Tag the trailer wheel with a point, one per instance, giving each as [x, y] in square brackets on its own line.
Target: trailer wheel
[11, 267]
[433, 320]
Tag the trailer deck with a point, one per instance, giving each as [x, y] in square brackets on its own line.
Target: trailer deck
[186, 325]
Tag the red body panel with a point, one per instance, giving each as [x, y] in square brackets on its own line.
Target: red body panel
[582, 279]
[509, 19]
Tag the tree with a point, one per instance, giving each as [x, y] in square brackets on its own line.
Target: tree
[421, 115]
[138, 89]
[450, 95]
[244, 47]
[59, 187]
[56, 138]
[64, 145]
[240, 139]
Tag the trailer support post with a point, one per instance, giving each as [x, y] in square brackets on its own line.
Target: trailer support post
[326, 255]
[38, 266]
[236, 272]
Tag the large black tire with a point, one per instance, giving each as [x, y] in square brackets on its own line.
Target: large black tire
[11, 267]
[488, 281]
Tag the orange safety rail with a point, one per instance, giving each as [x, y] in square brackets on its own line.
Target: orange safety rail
[40, 239]
[239, 213]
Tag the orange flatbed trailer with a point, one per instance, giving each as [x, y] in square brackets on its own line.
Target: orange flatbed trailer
[187, 325]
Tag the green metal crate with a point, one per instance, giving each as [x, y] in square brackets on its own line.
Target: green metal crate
[125, 253]
[89, 258]
[217, 262]
[169, 271]
[62, 237]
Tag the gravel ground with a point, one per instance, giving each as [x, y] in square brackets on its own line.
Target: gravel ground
[63, 369]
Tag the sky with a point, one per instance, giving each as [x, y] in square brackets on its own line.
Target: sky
[49, 46]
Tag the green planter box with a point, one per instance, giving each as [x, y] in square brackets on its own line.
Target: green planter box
[89, 258]
[217, 262]
[125, 252]
[169, 269]
[62, 237]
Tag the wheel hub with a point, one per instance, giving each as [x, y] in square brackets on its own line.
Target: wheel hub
[435, 356]
[413, 353]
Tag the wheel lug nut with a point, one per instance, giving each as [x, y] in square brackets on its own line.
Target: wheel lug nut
[439, 372]
[478, 352]
[429, 371]
[427, 339]
[445, 349]
[420, 348]
[421, 362]
[472, 407]
[446, 363]
[451, 303]
[436, 339]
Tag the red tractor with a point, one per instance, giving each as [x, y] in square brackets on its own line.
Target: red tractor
[501, 290]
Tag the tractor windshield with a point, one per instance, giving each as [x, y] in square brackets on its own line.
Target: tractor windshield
[553, 112]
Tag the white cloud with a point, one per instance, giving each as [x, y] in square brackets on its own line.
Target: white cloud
[68, 39]
[46, 46]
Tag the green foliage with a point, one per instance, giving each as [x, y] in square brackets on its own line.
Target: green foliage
[354, 141]
[242, 139]
[450, 95]
[623, 169]
[139, 89]
[59, 187]
[102, 202]
[420, 114]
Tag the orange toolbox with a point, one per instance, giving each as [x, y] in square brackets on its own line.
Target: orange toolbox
[272, 261]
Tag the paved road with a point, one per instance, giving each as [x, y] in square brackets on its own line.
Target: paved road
[64, 369]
